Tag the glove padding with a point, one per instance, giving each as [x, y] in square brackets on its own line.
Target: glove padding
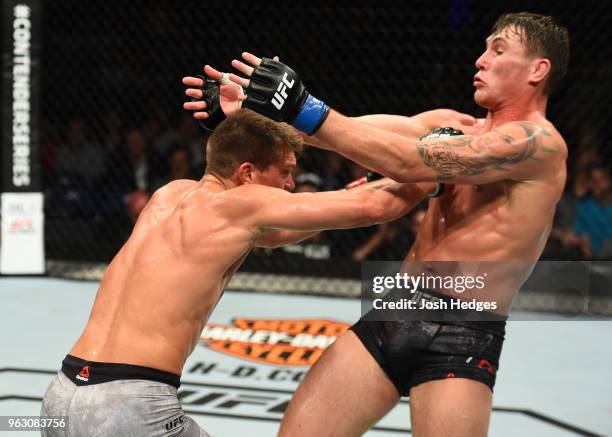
[211, 92]
[277, 92]
[440, 132]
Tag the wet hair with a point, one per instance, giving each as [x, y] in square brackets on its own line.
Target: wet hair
[249, 137]
[542, 37]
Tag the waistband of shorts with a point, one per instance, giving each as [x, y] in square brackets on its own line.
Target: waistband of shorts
[470, 316]
[83, 372]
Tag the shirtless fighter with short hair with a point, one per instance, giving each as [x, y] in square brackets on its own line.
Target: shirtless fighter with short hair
[121, 376]
[502, 178]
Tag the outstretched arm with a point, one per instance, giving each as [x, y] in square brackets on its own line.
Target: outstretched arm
[276, 238]
[414, 126]
[421, 124]
[515, 151]
[266, 208]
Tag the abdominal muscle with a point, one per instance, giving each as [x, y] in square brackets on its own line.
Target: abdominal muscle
[481, 231]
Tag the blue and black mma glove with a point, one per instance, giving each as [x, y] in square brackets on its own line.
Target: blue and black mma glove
[275, 90]
[211, 91]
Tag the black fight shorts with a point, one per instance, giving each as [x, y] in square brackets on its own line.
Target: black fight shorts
[416, 351]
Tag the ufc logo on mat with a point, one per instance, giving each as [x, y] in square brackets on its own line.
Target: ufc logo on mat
[281, 92]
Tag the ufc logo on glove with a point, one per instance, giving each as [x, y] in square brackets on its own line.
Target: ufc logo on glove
[271, 93]
[281, 92]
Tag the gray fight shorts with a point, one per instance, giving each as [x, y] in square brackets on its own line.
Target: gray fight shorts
[123, 407]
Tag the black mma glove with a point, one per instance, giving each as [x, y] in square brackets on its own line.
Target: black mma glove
[440, 132]
[211, 91]
[275, 90]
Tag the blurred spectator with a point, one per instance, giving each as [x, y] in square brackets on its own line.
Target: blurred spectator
[564, 243]
[580, 185]
[179, 164]
[75, 168]
[131, 172]
[77, 155]
[135, 166]
[594, 213]
[392, 240]
[167, 135]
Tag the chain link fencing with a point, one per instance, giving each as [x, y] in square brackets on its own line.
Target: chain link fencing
[113, 128]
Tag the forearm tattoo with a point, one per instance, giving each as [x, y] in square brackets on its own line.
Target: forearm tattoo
[453, 157]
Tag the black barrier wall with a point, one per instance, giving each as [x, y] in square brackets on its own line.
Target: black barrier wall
[114, 131]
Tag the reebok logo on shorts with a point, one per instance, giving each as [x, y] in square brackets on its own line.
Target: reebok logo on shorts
[83, 374]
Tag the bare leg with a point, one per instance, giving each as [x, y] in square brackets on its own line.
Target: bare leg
[454, 407]
[342, 395]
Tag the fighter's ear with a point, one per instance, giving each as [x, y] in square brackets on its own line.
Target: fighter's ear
[540, 68]
[245, 173]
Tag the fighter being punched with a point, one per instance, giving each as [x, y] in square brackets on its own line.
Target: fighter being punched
[502, 179]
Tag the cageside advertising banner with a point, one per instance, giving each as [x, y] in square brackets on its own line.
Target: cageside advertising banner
[22, 237]
[20, 96]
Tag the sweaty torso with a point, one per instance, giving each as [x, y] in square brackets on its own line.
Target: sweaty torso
[159, 290]
[503, 225]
